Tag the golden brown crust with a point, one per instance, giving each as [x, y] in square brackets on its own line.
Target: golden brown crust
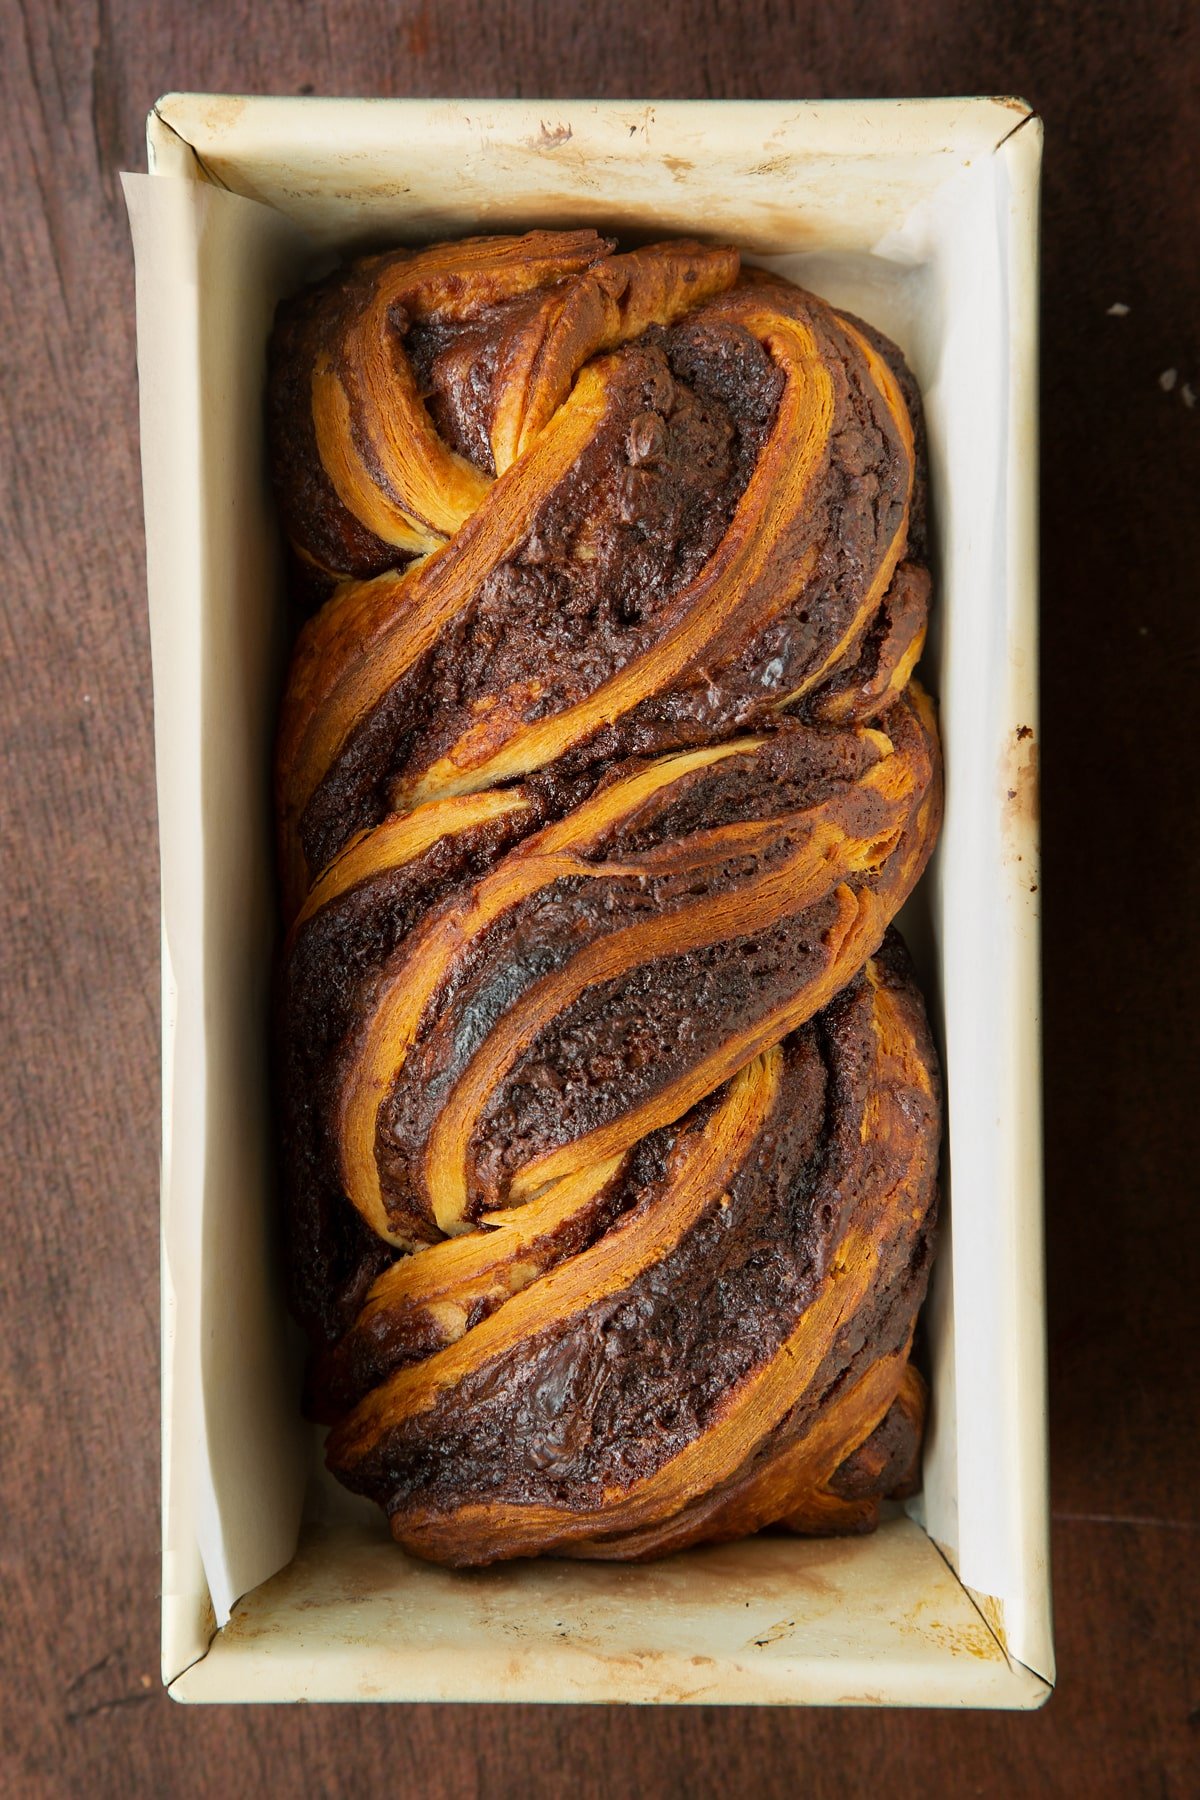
[597, 797]
[528, 1430]
[808, 527]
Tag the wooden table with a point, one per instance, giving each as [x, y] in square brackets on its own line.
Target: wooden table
[82, 1710]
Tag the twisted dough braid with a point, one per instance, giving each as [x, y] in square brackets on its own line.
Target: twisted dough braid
[610, 1110]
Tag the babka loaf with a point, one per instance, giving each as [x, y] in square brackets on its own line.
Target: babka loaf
[609, 1110]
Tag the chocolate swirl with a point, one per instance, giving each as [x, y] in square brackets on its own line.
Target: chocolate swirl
[610, 1129]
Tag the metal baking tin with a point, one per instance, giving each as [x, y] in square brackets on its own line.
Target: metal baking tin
[921, 216]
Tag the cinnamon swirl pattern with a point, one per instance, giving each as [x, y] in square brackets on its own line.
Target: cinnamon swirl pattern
[610, 1114]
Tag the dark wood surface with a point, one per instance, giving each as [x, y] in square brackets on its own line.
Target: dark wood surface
[81, 1711]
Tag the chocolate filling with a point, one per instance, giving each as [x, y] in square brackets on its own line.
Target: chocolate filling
[611, 1396]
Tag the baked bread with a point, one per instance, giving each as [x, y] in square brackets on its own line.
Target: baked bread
[609, 1110]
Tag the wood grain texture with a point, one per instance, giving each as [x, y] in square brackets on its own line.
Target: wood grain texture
[81, 1711]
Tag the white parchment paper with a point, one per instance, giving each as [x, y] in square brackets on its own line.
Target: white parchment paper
[936, 246]
[209, 268]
